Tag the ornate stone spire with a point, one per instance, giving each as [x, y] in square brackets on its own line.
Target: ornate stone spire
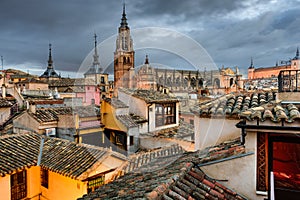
[124, 23]
[50, 62]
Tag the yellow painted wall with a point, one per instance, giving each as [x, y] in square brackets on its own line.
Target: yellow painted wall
[61, 187]
[109, 119]
[5, 187]
[33, 183]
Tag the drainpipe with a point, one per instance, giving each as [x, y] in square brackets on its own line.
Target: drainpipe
[148, 117]
[41, 152]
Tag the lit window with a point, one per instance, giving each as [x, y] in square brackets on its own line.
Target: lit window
[95, 183]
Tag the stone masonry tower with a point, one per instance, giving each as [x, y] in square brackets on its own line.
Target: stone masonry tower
[123, 55]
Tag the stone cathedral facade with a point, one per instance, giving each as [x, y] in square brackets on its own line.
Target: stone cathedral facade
[222, 80]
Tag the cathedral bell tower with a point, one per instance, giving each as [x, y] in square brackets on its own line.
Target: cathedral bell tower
[123, 56]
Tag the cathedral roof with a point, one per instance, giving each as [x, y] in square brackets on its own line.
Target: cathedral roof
[50, 73]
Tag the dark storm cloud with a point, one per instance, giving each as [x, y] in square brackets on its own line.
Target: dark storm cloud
[231, 31]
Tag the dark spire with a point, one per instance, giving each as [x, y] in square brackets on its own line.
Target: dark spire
[124, 23]
[95, 37]
[251, 65]
[50, 62]
[146, 60]
[297, 55]
[96, 60]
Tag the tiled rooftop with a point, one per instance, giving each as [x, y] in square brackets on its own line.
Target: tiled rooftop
[180, 179]
[45, 101]
[232, 105]
[18, 151]
[4, 103]
[116, 103]
[64, 82]
[151, 96]
[141, 161]
[32, 80]
[51, 114]
[181, 132]
[130, 120]
[275, 112]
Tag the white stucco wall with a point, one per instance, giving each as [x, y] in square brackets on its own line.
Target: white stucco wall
[240, 172]
[136, 105]
[211, 131]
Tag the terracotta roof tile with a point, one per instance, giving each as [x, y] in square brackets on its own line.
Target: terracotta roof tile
[4, 103]
[51, 114]
[180, 179]
[18, 151]
[116, 103]
[151, 96]
[232, 105]
[181, 132]
[130, 120]
[275, 112]
[62, 82]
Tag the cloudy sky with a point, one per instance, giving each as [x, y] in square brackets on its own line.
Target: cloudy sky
[229, 32]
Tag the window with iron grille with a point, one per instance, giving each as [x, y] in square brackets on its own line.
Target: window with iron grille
[18, 185]
[44, 177]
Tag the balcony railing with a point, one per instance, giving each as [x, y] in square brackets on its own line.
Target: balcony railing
[289, 81]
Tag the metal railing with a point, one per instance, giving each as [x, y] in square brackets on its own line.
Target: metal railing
[289, 81]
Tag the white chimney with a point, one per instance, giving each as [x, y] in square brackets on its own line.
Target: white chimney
[32, 107]
[3, 91]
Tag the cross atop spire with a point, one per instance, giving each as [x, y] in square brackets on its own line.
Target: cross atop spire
[124, 23]
[50, 62]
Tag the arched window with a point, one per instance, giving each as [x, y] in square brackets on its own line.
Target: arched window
[186, 80]
[124, 60]
[231, 82]
[177, 81]
[201, 83]
[217, 83]
[128, 60]
[169, 81]
[193, 82]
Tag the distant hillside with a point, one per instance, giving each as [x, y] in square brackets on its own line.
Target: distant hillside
[18, 72]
